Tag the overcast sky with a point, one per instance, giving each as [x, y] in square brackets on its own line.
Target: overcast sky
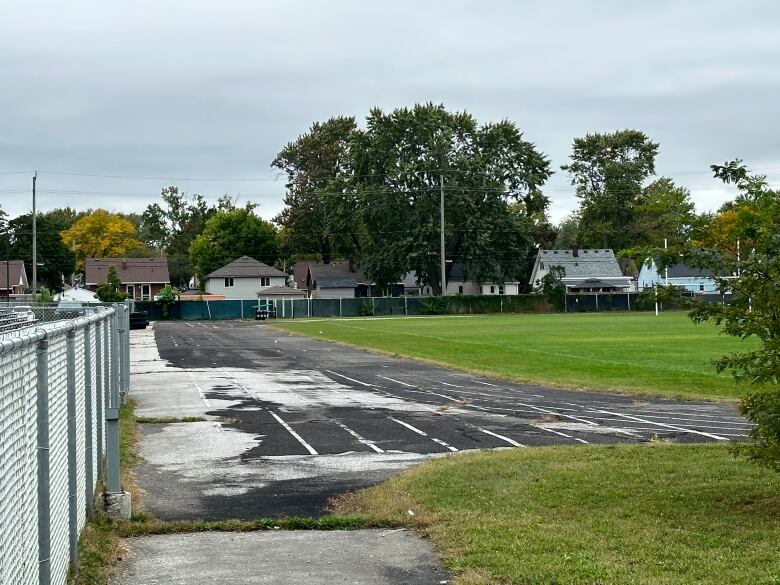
[181, 91]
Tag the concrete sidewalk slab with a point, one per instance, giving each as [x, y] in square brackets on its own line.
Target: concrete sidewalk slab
[363, 557]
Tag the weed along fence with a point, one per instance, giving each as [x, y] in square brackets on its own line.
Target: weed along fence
[61, 385]
[350, 307]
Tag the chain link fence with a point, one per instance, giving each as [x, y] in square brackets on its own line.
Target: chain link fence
[61, 384]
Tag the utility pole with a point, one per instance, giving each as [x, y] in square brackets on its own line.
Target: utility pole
[34, 240]
[441, 223]
[666, 269]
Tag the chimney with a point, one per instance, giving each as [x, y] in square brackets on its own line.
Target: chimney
[575, 250]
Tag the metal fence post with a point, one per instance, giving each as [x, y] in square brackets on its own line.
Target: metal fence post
[89, 437]
[121, 332]
[73, 528]
[44, 501]
[99, 393]
[127, 348]
[112, 412]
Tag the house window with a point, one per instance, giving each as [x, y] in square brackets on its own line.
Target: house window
[130, 290]
[500, 289]
[265, 281]
[701, 287]
[492, 289]
[228, 282]
[541, 265]
[146, 292]
[460, 289]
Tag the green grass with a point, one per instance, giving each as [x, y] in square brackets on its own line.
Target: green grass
[636, 353]
[649, 514]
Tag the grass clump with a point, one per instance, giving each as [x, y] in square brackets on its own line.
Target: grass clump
[166, 420]
[648, 514]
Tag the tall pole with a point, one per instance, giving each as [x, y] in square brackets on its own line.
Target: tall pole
[441, 224]
[7, 239]
[666, 268]
[34, 240]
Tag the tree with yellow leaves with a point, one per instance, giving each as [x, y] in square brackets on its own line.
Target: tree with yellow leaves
[101, 235]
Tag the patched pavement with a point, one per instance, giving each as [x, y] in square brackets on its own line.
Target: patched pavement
[294, 421]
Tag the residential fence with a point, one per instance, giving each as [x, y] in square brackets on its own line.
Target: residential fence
[348, 307]
[633, 301]
[61, 386]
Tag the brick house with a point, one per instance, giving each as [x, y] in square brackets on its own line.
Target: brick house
[13, 272]
[142, 278]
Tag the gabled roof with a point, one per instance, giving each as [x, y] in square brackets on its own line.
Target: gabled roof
[15, 273]
[300, 272]
[591, 263]
[335, 275]
[152, 270]
[681, 270]
[246, 267]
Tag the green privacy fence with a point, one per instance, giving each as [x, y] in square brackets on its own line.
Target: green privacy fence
[351, 307]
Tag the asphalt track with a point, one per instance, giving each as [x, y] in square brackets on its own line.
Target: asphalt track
[294, 421]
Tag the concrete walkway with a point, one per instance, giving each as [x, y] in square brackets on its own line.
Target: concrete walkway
[370, 557]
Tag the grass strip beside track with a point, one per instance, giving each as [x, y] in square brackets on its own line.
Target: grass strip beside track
[647, 514]
[635, 353]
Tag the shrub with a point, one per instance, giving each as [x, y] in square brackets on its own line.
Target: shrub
[366, 308]
[763, 409]
[434, 306]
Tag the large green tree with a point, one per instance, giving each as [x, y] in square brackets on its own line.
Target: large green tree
[663, 211]
[173, 224]
[377, 197]
[313, 163]
[228, 235]
[609, 171]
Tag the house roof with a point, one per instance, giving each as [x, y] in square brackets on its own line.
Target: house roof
[594, 283]
[589, 263]
[15, 272]
[300, 272]
[152, 270]
[80, 295]
[245, 267]
[285, 291]
[335, 275]
[685, 271]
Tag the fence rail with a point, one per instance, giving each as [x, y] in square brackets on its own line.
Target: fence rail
[60, 390]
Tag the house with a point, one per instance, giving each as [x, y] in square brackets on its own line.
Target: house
[244, 278]
[337, 280]
[142, 278]
[584, 271]
[13, 279]
[694, 280]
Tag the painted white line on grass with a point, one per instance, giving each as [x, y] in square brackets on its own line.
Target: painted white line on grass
[308, 447]
[360, 439]
[351, 379]
[408, 426]
[399, 382]
[554, 432]
[674, 427]
[502, 437]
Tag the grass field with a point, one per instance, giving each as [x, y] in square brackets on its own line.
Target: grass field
[636, 353]
[648, 514]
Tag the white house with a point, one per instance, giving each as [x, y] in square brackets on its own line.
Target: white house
[589, 270]
[245, 278]
[691, 279]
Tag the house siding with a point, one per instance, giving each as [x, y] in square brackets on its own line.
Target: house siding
[243, 287]
[333, 293]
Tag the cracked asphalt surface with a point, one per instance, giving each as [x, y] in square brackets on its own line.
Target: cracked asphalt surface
[293, 421]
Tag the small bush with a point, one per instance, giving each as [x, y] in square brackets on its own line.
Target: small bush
[763, 409]
[366, 308]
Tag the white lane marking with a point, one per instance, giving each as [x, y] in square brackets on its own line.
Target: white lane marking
[308, 447]
[553, 431]
[502, 437]
[200, 391]
[360, 439]
[660, 424]
[408, 426]
[351, 379]
[423, 433]
[190, 325]
[443, 444]
[399, 382]
[452, 385]
[483, 383]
